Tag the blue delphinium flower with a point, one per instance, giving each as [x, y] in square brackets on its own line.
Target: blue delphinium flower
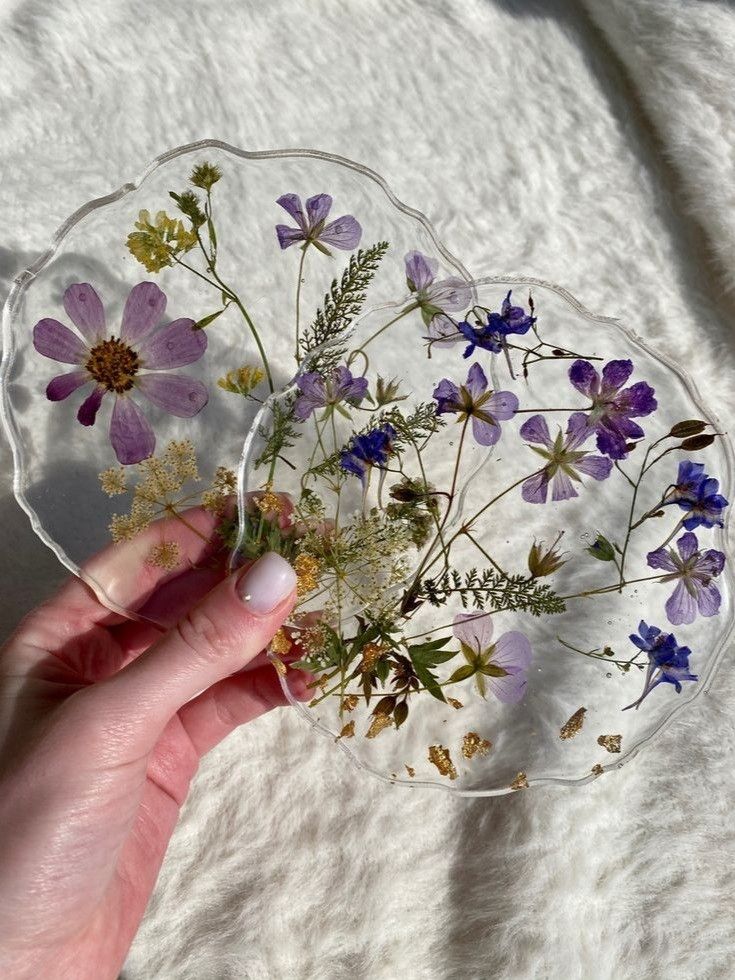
[322, 391]
[668, 663]
[370, 449]
[697, 493]
[487, 409]
[492, 334]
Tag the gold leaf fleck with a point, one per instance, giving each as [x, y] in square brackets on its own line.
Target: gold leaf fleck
[473, 744]
[520, 782]
[280, 643]
[379, 722]
[280, 666]
[410, 770]
[349, 702]
[440, 757]
[455, 703]
[370, 654]
[610, 742]
[572, 727]
[348, 730]
[597, 769]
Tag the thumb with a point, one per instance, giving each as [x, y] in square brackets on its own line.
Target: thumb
[216, 638]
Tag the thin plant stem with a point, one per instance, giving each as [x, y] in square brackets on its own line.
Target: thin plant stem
[298, 300]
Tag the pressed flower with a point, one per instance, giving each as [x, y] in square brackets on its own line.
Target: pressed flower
[157, 242]
[693, 571]
[324, 391]
[565, 459]
[698, 495]
[492, 335]
[312, 229]
[668, 663]
[487, 409]
[138, 359]
[435, 297]
[502, 666]
[370, 449]
[613, 406]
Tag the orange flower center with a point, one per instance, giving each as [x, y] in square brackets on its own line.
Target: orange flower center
[113, 364]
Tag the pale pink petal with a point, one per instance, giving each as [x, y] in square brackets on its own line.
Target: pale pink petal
[475, 630]
[63, 385]
[174, 393]
[131, 436]
[54, 340]
[172, 346]
[450, 294]
[85, 310]
[512, 652]
[510, 689]
[144, 308]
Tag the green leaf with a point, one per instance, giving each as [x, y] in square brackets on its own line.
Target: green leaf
[206, 320]
[692, 427]
[698, 442]
[602, 549]
[461, 673]
[400, 714]
[492, 670]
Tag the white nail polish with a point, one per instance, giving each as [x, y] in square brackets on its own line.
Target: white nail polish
[266, 583]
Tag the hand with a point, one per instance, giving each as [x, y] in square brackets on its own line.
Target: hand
[103, 721]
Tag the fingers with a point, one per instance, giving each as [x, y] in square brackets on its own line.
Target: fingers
[215, 638]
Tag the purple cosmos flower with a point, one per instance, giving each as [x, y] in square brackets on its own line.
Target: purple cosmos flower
[693, 570]
[697, 493]
[436, 297]
[368, 450]
[668, 663]
[321, 391]
[613, 409]
[492, 334]
[502, 665]
[344, 232]
[565, 459]
[120, 363]
[487, 409]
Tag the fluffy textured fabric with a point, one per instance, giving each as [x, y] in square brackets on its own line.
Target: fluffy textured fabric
[589, 143]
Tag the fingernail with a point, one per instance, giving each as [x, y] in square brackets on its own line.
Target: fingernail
[266, 583]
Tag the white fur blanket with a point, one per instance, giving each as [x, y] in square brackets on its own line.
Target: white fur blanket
[590, 143]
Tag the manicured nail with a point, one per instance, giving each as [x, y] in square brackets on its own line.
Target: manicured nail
[266, 583]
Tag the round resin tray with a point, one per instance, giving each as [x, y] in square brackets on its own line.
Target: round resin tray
[507, 515]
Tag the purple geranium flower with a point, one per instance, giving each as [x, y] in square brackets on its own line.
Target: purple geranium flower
[502, 665]
[697, 493]
[487, 409]
[344, 232]
[436, 298]
[565, 459]
[668, 663]
[119, 363]
[492, 334]
[613, 409]
[365, 451]
[322, 391]
[693, 570]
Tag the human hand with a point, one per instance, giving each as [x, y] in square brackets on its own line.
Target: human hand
[103, 721]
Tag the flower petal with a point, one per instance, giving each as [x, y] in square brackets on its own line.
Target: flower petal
[578, 430]
[144, 308]
[475, 630]
[443, 331]
[63, 385]
[449, 294]
[562, 487]
[289, 236]
[54, 340]
[660, 558]
[317, 209]
[711, 562]
[513, 652]
[344, 233]
[637, 400]
[681, 606]
[292, 204]
[611, 443]
[502, 405]
[485, 433]
[687, 545]
[510, 689]
[584, 378]
[535, 429]
[476, 381]
[708, 600]
[176, 394]
[173, 346]
[614, 376]
[90, 406]
[131, 436]
[85, 310]
[535, 487]
[420, 270]
[598, 467]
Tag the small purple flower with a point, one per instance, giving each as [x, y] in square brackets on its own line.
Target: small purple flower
[487, 409]
[493, 334]
[344, 232]
[119, 364]
[368, 450]
[323, 391]
[697, 493]
[613, 407]
[668, 663]
[693, 570]
[502, 665]
[435, 297]
[565, 459]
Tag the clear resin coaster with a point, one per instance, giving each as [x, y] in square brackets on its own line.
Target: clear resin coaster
[507, 515]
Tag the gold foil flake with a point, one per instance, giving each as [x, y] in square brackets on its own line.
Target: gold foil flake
[455, 703]
[520, 782]
[322, 682]
[112, 481]
[597, 769]
[610, 742]
[348, 731]
[279, 665]
[370, 655]
[473, 744]
[349, 702]
[410, 770]
[440, 757]
[307, 570]
[377, 725]
[269, 502]
[573, 726]
[166, 555]
[281, 642]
